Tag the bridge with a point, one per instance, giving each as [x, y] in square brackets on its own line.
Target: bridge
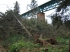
[44, 7]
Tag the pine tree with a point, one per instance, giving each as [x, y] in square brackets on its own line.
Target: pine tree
[33, 6]
[16, 8]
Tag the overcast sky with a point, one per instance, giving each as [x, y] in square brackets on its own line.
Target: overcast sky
[9, 4]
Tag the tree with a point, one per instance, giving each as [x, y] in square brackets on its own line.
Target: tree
[64, 11]
[33, 7]
[64, 8]
[19, 20]
[63, 5]
[7, 21]
[56, 20]
[16, 8]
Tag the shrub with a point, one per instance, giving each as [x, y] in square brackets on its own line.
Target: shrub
[22, 44]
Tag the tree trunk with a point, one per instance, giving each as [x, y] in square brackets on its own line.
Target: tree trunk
[23, 26]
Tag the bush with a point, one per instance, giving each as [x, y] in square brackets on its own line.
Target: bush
[22, 44]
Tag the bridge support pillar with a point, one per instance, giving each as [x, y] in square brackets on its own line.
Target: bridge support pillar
[41, 17]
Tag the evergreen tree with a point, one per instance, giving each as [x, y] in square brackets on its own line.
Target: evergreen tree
[33, 4]
[33, 7]
[16, 8]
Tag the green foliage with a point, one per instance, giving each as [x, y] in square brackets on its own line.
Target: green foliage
[9, 25]
[6, 23]
[63, 41]
[56, 20]
[50, 49]
[62, 48]
[22, 44]
[10, 40]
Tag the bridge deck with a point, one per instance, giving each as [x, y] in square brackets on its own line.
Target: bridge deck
[44, 7]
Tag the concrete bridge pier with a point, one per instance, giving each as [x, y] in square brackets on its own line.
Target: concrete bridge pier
[41, 17]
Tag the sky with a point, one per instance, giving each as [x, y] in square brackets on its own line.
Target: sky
[9, 4]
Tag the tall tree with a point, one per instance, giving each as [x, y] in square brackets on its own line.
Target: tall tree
[33, 6]
[64, 8]
[19, 20]
[16, 8]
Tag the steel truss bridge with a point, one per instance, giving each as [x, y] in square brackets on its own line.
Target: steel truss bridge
[44, 7]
